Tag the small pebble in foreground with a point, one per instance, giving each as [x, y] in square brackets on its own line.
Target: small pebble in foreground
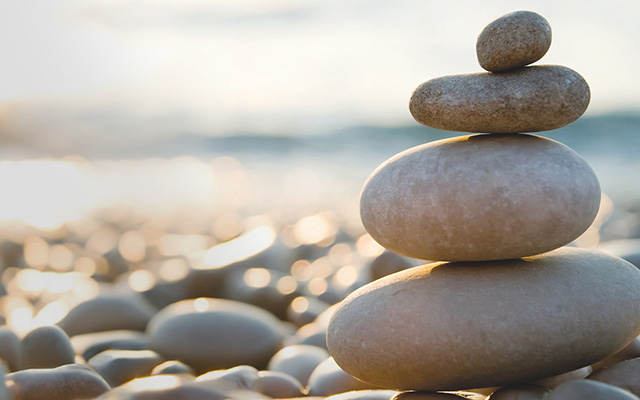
[513, 40]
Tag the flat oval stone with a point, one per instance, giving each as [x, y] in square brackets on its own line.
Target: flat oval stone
[513, 40]
[480, 197]
[209, 334]
[453, 326]
[529, 99]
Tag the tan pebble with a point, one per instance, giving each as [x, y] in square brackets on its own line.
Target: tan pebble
[625, 374]
[629, 352]
[589, 390]
[480, 197]
[209, 334]
[553, 381]
[89, 344]
[46, 347]
[435, 320]
[329, 379]
[280, 385]
[9, 348]
[298, 361]
[529, 99]
[172, 367]
[120, 366]
[523, 391]
[372, 394]
[69, 381]
[107, 313]
[513, 40]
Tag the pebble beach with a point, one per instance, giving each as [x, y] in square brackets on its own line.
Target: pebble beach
[218, 270]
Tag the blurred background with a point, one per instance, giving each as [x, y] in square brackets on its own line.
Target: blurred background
[143, 142]
[251, 107]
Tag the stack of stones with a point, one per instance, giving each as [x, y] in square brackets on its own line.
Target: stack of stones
[506, 303]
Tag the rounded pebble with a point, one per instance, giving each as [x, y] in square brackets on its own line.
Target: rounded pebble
[120, 366]
[280, 385]
[107, 313]
[589, 390]
[70, 381]
[513, 40]
[329, 379]
[373, 394]
[529, 99]
[480, 197]
[172, 367]
[298, 361]
[46, 347]
[209, 334]
[88, 345]
[625, 374]
[435, 320]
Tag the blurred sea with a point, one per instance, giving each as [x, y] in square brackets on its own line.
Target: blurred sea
[286, 177]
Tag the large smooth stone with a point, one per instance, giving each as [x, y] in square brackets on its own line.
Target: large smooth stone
[480, 197]
[209, 334]
[513, 40]
[452, 326]
[528, 99]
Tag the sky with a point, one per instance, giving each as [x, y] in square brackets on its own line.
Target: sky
[147, 67]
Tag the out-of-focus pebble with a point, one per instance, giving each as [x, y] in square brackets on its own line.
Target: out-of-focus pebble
[299, 361]
[89, 344]
[589, 390]
[46, 347]
[172, 367]
[209, 334]
[70, 381]
[625, 374]
[120, 366]
[279, 385]
[329, 379]
[107, 313]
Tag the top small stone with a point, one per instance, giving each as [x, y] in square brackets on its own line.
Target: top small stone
[513, 40]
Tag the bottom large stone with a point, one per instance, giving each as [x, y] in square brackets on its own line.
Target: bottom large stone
[452, 326]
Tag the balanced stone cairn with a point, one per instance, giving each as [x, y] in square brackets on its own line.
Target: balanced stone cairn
[505, 304]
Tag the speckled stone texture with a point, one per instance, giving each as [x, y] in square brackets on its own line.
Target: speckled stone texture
[453, 326]
[529, 99]
[513, 40]
[480, 197]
